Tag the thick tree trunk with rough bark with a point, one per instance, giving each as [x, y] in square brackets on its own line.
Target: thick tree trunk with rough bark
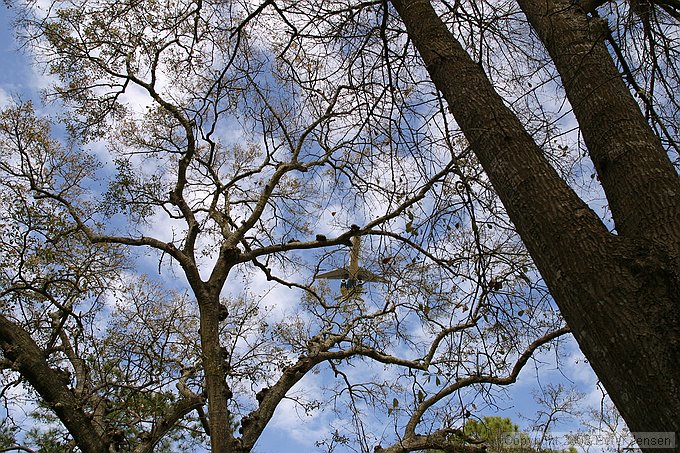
[620, 294]
[221, 438]
[643, 191]
[215, 385]
[213, 359]
[638, 177]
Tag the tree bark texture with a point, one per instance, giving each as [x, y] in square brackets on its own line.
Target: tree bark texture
[620, 294]
[18, 346]
[638, 177]
[221, 437]
[642, 188]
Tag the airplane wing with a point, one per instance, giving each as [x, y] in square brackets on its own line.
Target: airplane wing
[343, 274]
[368, 276]
[335, 274]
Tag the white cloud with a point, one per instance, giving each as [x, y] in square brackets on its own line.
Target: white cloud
[5, 98]
[305, 428]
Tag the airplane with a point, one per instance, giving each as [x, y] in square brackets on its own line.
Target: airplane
[354, 276]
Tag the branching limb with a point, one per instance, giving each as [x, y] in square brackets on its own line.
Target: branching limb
[17, 448]
[253, 424]
[274, 278]
[29, 360]
[410, 430]
[161, 427]
[446, 440]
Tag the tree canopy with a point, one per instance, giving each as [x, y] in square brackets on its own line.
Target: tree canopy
[237, 150]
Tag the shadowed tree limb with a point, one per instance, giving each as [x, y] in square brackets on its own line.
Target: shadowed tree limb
[29, 360]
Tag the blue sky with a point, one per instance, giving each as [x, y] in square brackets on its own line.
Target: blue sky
[286, 432]
[15, 66]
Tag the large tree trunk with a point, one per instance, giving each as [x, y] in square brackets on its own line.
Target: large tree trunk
[643, 191]
[221, 436]
[638, 177]
[212, 358]
[620, 295]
